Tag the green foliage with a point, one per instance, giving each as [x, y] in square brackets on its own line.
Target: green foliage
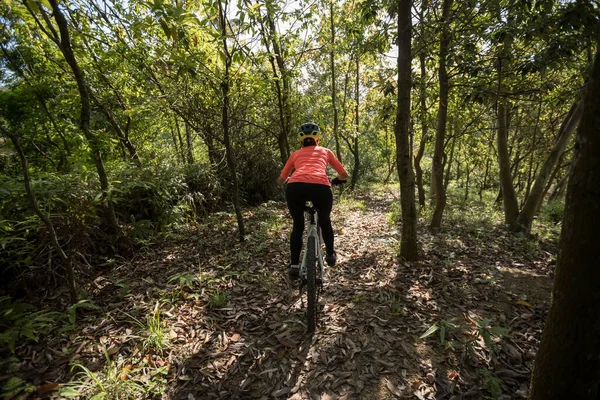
[218, 298]
[553, 211]
[394, 216]
[258, 169]
[491, 383]
[114, 382]
[204, 191]
[153, 331]
[465, 335]
[22, 323]
[16, 387]
[147, 194]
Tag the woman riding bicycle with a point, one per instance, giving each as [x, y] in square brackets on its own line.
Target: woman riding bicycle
[309, 182]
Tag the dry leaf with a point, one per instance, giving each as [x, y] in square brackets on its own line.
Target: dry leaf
[125, 372]
[48, 387]
[286, 342]
[280, 392]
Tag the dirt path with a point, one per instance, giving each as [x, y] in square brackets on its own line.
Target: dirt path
[235, 327]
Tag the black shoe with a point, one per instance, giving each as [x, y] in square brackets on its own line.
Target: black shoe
[293, 272]
[330, 259]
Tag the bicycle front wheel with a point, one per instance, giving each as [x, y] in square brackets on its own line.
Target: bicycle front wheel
[311, 284]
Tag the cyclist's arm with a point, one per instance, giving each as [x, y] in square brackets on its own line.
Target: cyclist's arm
[287, 170]
[338, 167]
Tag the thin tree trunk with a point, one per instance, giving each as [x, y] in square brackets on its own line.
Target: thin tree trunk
[437, 168]
[567, 364]
[34, 205]
[179, 140]
[524, 220]
[449, 163]
[225, 124]
[509, 197]
[408, 243]
[282, 137]
[333, 84]
[355, 153]
[424, 125]
[122, 135]
[560, 185]
[485, 177]
[284, 76]
[64, 43]
[189, 144]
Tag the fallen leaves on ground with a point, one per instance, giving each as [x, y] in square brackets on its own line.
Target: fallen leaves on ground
[234, 326]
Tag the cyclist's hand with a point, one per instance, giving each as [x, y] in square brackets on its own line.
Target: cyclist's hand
[337, 181]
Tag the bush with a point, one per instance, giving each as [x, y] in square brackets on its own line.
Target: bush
[148, 194]
[203, 192]
[553, 211]
[258, 172]
[67, 199]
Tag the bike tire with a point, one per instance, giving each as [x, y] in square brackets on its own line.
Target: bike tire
[311, 285]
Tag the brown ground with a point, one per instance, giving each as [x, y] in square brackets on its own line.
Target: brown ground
[375, 308]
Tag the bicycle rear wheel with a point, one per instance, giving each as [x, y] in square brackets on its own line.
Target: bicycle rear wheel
[311, 284]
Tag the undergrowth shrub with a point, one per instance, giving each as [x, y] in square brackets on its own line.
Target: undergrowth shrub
[553, 211]
[203, 194]
[27, 253]
[258, 171]
[146, 197]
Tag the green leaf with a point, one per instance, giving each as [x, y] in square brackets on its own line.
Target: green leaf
[35, 7]
[69, 393]
[442, 334]
[432, 329]
[222, 56]
[165, 27]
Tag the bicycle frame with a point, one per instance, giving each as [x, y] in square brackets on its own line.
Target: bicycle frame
[313, 231]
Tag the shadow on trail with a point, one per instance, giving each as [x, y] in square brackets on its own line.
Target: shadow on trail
[461, 291]
[350, 354]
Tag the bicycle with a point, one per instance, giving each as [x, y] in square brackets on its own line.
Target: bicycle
[312, 266]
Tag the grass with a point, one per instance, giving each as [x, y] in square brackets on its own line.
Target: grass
[218, 299]
[154, 331]
[117, 380]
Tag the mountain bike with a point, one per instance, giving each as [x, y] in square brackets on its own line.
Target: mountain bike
[312, 266]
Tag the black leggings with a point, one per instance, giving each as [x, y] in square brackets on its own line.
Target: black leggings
[297, 194]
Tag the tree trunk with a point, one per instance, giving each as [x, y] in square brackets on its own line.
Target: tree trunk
[525, 218]
[424, 125]
[282, 137]
[449, 163]
[284, 76]
[408, 243]
[333, 85]
[181, 147]
[122, 135]
[438, 168]
[356, 169]
[559, 188]
[190, 144]
[567, 365]
[34, 205]
[225, 124]
[64, 43]
[509, 197]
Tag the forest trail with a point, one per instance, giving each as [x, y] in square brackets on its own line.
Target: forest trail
[236, 329]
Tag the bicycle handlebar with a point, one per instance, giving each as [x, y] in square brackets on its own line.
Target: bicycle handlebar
[337, 181]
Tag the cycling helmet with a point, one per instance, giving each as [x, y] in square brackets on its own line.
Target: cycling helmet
[309, 130]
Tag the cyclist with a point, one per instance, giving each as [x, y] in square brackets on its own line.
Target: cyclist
[309, 182]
